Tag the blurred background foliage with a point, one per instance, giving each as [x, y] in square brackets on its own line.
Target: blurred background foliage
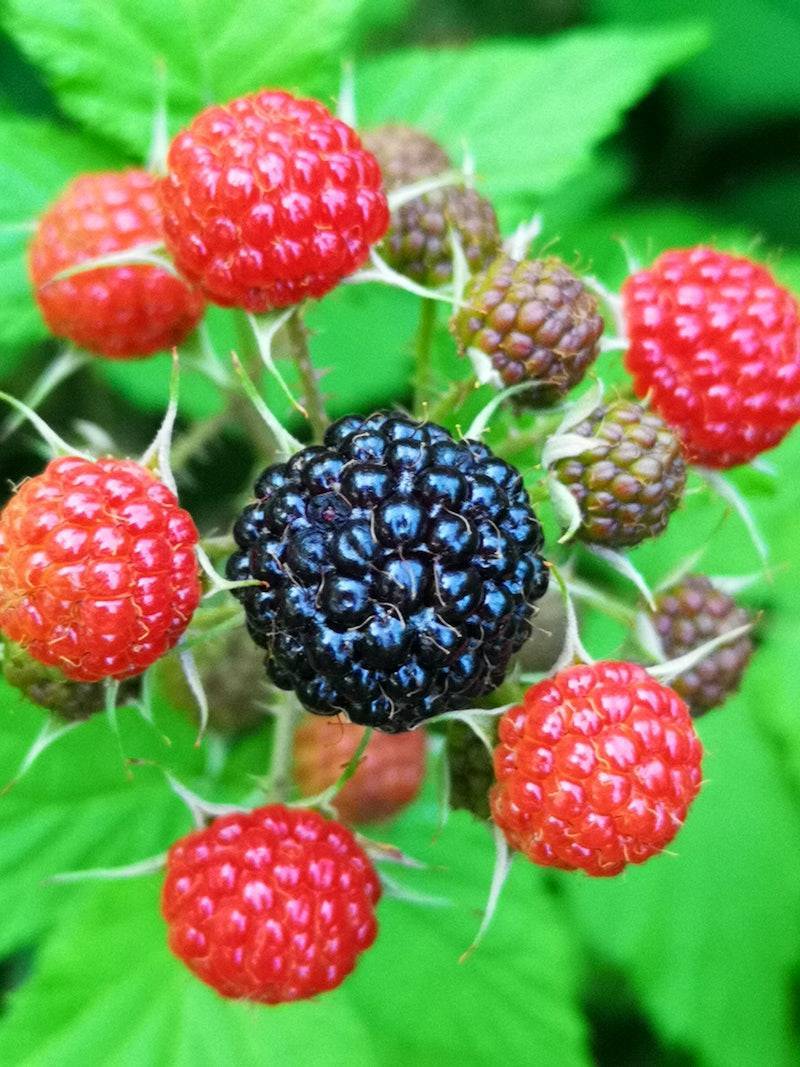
[632, 127]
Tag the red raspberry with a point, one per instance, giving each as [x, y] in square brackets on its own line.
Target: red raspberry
[98, 572]
[387, 779]
[715, 341]
[119, 312]
[270, 905]
[595, 769]
[269, 200]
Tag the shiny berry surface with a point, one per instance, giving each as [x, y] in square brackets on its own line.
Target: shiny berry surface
[271, 905]
[98, 571]
[119, 312]
[595, 769]
[400, 569]
[270, 199]
[387, 779]
[630, 478]
[688, 615]
[536, 321]
[715, 343]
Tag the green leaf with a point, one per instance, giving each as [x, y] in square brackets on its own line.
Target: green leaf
[75, 808]
[36, 161]
[749, 70]
[136, 1004]
[709, 934]
[530, 112]
[211, 51]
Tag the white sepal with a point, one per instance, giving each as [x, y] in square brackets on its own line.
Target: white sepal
[582, 408]
[669, 670]
[623, 566]
[502, 865]
[568, 445]
[568, 512]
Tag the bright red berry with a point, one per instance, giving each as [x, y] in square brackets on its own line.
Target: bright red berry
[120, 312]
[98, 571]
[715, 341]
[388, 778]
[595, 769]
[270, 905]
[269, 200]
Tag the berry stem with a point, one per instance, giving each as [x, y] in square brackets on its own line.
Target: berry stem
[324, 799]
[189, 444]
[424, 353]
[297, 334]
[279, 780]
[452, 400]
[241, 408]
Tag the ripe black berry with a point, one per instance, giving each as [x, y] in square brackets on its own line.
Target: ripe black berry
[400, 570]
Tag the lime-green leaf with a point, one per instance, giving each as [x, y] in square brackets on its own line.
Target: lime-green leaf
[709, 935]
[530, 112]
[409, 998]
[733, 81]
[36, 160]
[102, 58]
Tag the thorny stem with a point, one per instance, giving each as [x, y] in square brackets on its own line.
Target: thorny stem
[280, 771]
[324, 799]
[297, 334]
[452, 400]
[190, 443]
[424, 353]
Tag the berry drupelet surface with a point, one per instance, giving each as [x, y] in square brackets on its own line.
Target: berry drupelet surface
[715, 342]
[120, 312]
[687, 615]
[400, 569]
[98, 568]
[271, 905]
[269, 200]
[596, 769]
[630, 478]
[536, 321]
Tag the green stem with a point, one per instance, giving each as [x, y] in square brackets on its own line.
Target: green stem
[424, 354]
[240, 407]
[325, 798]
[452, 400]
[280, 771]
[188, 444]
[297, 334]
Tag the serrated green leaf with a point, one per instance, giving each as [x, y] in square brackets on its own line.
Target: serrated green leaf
[36, 161]
[708, 935]
[531, 112]
[211, 51]
[137, 1005]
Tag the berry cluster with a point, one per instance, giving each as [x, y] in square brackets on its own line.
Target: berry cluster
[390, 571]
[595, 769]
[419, 243]
[119, 312]
[715, 342]
[630, 478]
